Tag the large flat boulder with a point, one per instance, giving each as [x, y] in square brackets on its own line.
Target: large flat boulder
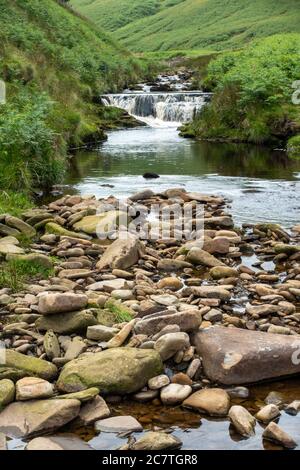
[61, 302]
[24, 419]
[104, 223]
[121, 254]
[233, 356]
[119, 370]
[187, 321]
[67, 323]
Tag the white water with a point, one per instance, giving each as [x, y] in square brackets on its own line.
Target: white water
[159, 109]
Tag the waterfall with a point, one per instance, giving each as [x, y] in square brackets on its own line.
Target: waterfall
[159, 109]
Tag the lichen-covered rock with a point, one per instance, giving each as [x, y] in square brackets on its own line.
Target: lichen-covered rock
[68, 323]
[120, 371]
[20, 225]
[7, 392]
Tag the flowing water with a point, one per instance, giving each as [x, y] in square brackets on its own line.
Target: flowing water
[261, 183]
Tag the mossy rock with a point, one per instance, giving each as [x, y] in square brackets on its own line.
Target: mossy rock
[105, 223]
[67, 323]
[7, 392]
[57, 229]
[83, 396]
[114, 371]
[17, 365]
[286, 249]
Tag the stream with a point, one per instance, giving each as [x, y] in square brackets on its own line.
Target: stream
[260, 183]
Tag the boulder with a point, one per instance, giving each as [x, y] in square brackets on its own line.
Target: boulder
[19, 365]
[275, 434]
[242, 420]
[168, 345]
[234, 356]
[68, 323]
[156, 441]
[187, 321]
[198, 256]
[25, 419]
[119, 371]
[33, 388]
[219, 245]
[211, 401]
[7, 392]
[60, 442]
[121, 254]
[60, 303]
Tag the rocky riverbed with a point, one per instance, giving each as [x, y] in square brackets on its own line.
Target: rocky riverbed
[169, 322]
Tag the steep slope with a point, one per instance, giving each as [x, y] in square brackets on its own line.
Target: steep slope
[197, 24]
[55, 65]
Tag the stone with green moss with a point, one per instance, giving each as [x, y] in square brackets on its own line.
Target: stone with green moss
[67, 323]
[7, 392]
[38, 259]
[114, 371]
[20, 225]
[83, 396]
[105, 223]
[17, 365]
[57, 229]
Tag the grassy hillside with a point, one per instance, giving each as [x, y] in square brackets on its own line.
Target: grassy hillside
[252, 99]
[192, 24]
[55, 65]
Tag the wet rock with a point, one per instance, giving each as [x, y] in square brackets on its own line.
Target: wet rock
[214, 402]
[187, 321]
[56, 229]
[101, 332]
[33, 388]
[293, 408]
[24, 419]
[261, 310]
[109, 286]
[181, 378]
[146, 396]
[214, 292]
[238, 392]
[158, 382]
[149, 176]
[19, 365]
[242, 420]
[120, 370]
[61, 442]
[103, 223]
[193, 368]
[286, 249]
[92, 411]
[174, 394]
[121, 254]
[235, 356]
[275, 434]
[118, 424]
[268, 413]
[68, 323]
[168, 345]
[198, 256]
[61, 303]
[220, 272]
[145, 194]
[7, 392]
[156, 441]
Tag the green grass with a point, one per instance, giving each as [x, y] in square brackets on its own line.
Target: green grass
[252, 99]
[14, 203]
[15, 273]
[55, 65]
[162, 25]
[120, 312]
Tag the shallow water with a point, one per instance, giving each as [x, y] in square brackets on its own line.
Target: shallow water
[262, 184]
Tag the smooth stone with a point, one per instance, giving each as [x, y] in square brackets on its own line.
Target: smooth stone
[122, 294]
[7, 392]
[158, 382]
[193, 368]
[33, 388]
[61, 303]
[156, 441]
[118, 424]
[24, 419]
[293, 408]
[114, 371]
[101, 332]
[234, 356]
[199, 256]
[20, 225]
[171, 265]
[93, 410]
[220, 272]
[268, 413]
[214, 292]
[213, 401]
[140, 196]
[109, 286]
[51, 345]
[60, 442]
[76, 347]
[166, 300]
[182, 379]
[168, 345]
[275, 434]
[238, 392]
[121, 336]
[144, 397]
[83, 396]
[174, 394]
[171, 283]
[243, 422]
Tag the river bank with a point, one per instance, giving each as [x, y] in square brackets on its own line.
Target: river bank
[165, 322]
